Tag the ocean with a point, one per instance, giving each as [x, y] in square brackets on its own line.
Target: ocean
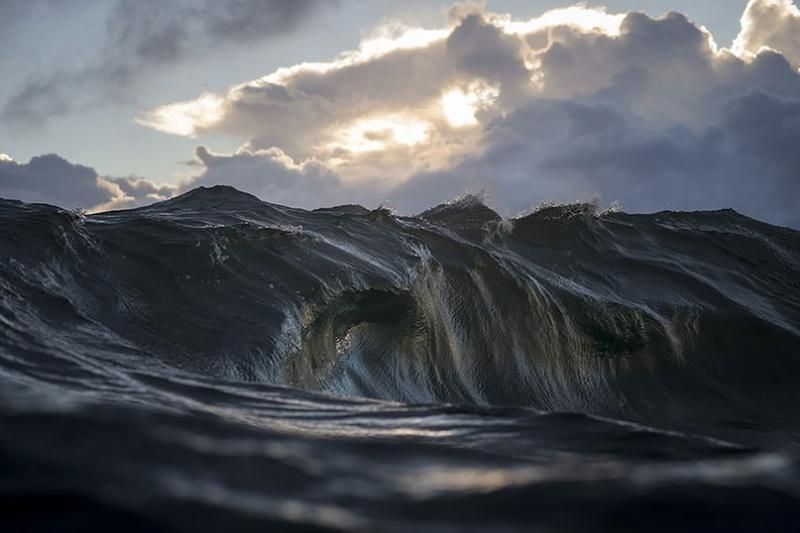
[218, 363]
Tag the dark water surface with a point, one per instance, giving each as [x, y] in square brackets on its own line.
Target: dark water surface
[214, 362]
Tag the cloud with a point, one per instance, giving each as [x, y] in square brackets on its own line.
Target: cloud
[39, 100]
[577, 102]
[138, 191]
[555, 150]
[289, 183]
[563, 107]
[54, 180]
[248, 20]
[143, 35]
[773, 24]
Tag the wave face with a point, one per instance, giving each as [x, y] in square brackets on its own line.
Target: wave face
[262, 365]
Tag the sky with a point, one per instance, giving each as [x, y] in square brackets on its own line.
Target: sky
[652, 104]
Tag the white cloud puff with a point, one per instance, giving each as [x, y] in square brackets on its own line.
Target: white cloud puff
[773, 24]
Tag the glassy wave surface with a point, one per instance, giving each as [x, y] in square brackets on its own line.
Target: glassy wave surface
[217, 362]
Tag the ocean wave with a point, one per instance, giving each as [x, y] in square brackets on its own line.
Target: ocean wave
[365, 324]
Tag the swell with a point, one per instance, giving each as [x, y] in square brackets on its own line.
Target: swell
[687, 320]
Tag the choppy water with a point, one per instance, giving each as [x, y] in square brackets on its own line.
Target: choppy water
[216, 362]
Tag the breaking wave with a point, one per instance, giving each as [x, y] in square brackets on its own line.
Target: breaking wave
[219, 304]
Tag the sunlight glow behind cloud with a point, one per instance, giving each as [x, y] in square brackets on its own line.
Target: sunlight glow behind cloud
[379, 133]
[580, 17]
[186, 118]
[459, 107]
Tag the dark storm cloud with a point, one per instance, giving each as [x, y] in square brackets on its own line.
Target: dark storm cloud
[54, 180]
[143, 35]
